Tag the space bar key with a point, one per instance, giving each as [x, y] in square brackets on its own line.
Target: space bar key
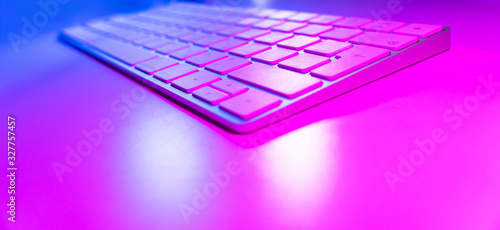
[283, 82]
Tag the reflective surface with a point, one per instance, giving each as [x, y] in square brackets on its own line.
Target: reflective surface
[415, 150]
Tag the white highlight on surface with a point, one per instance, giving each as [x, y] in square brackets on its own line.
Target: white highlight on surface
[299, 172]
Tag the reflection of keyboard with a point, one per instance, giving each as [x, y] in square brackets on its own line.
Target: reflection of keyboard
[245, 68]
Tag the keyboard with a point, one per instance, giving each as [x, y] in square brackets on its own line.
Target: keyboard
[245, 68]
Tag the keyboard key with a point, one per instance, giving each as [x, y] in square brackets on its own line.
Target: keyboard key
[172, 48]
[250, 104]
[210, 95]
[229, 44]
[252, 34]
[328, 48]
[280, 81]
[251, 11]
[231, 20]
[349, 61]
[152, 28]
[313, 30]
[302, 17]
[282, 14]
[233, 31]
[130, 35]
[210, 19]
[181, 34]
[227, 65]
[207, 22]
[419, 30]
[382, 26]
[268, 24]
[230, 87]
[169, 74]
[249, 50]
[389, 41]
[126, 53]
[197, 26]
[139, 37]
[206, 58]
[288, 27]
[274, 55]
[183, 54]
[299, 42]
[159, 44]
[273, 38]
[195, 36]
[155, 64]
[205, 42]
[326, 19]
[216, 28]
[249, 21]
[172, 31]
[160, 29]
[341, 34]
[195, 81]
[147, 40]
[265, 13]
[304, 62]
[352, 23]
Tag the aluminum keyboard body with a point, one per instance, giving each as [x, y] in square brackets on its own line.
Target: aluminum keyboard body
[246, 68]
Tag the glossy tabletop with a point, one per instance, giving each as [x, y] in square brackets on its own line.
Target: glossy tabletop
[418, 149]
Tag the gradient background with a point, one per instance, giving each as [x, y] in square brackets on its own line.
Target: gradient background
[323, 170]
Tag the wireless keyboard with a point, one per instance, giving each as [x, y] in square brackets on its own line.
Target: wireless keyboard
[245, 68]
